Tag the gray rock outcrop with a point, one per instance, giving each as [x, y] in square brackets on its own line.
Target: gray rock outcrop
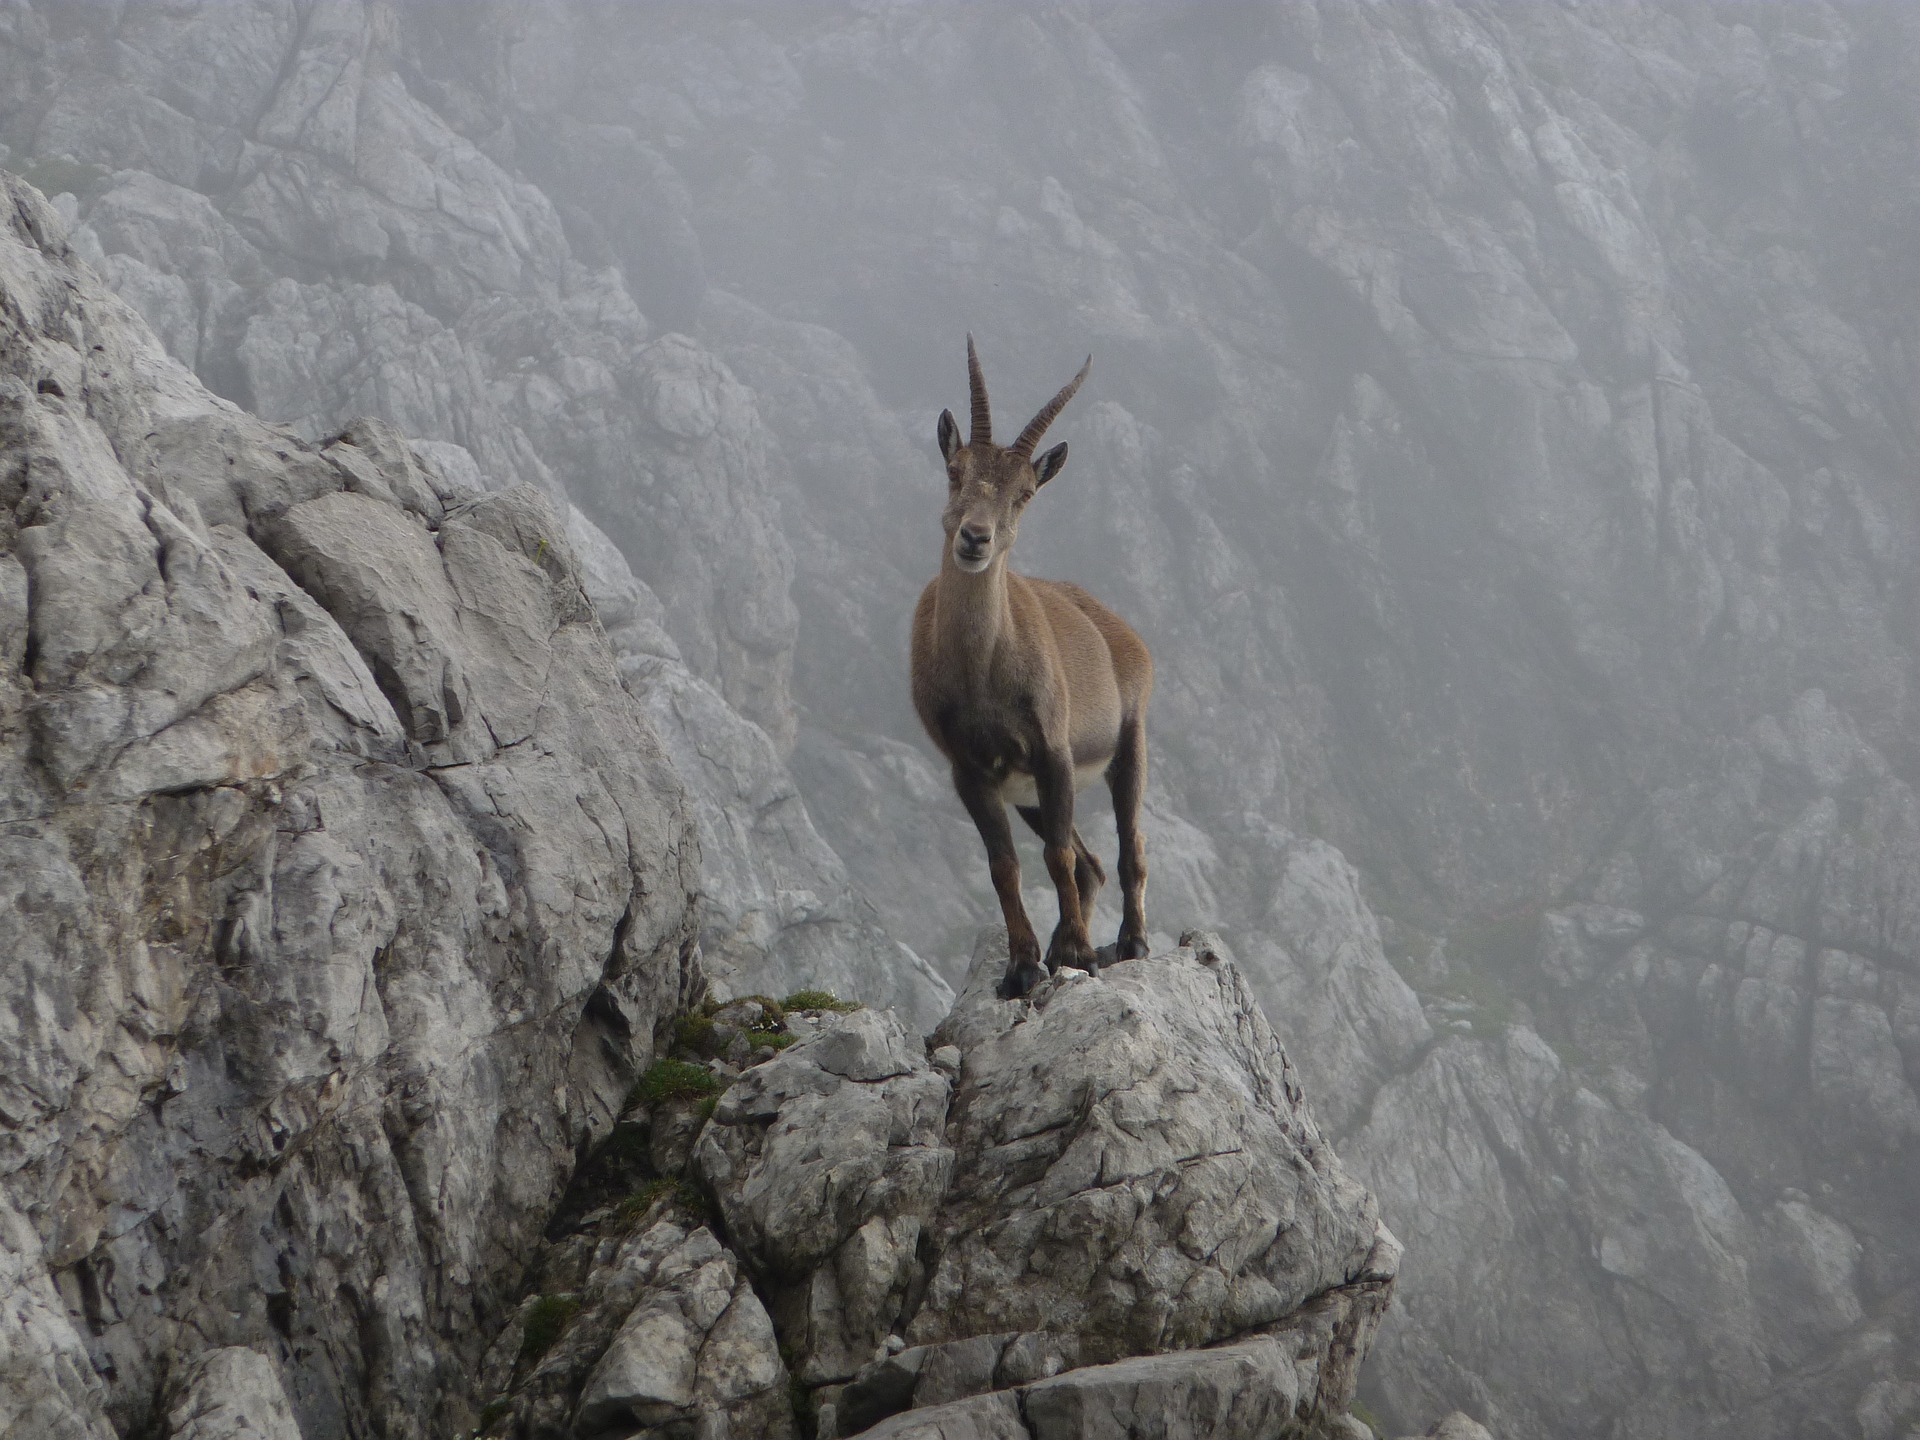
[1082, 1216]
[661, 1332]
[827, 1162]
[454, 305]
[1135, 1167]
[344, 887]
[1133, 1173]
[232, 1394]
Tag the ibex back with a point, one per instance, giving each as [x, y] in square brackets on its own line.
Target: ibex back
[1031, 689]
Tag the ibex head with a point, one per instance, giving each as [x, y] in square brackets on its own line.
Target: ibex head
[988, 485]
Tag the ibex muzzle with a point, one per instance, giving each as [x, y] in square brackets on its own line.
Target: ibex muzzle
[1030, 688]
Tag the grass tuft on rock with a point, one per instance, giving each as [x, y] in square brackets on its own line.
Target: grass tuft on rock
[776, 1013]
[674, 1080]
[820, 1000]
[690, 1198]
[547, 1317]
[694, 1033]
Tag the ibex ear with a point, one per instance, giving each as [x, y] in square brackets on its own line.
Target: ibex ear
[949, 434]
[1048, 465]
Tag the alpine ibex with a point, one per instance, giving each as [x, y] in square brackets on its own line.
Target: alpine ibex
[1030, 688]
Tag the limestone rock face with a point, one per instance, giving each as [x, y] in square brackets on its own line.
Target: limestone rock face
[778, 912]
[1133, 1173]
[827, 1163]
[232, 1394]
[1135, 1166]
[367, 254]
[664, 1331]
[344, 890]
[1101, 1211]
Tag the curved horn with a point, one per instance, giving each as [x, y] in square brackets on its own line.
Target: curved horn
[977, 388]
[1036, 427]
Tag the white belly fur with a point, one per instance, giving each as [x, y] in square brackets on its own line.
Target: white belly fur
[1018, 788]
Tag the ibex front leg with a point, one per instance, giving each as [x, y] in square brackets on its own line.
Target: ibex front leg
[1053, 778]
[1127, 778]
[980, 793]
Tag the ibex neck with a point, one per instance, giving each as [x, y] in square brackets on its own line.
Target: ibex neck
[972, 612]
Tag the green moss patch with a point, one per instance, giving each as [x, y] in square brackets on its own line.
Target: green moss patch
[694, 1034]
[674, 1080]
[820, 1000]
[546, 1319]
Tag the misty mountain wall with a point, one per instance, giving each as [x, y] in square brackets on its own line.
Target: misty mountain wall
[1499, 426]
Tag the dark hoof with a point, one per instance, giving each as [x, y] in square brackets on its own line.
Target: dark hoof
[1080, 957]
[1020, 981]
[1130, 947]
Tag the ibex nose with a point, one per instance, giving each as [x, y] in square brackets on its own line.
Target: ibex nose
[974, 538]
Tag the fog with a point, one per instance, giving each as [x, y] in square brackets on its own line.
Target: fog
[1500, 428]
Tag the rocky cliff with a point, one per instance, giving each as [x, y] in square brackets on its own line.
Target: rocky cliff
[1103, 1213]
[1500, 425]
[345, 890]
[360, 1076]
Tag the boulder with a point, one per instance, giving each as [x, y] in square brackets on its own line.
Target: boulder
[827, 1162]
[232, 1393]
[1135, 1165]
[696, 1345]
[649, 1323]
[1135, 1173]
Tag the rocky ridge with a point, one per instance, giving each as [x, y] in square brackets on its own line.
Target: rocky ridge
[361, 1076]
[473, 324]
[1103, 1209]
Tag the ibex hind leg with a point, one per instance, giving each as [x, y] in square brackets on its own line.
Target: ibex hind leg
[1127, 778]
[1089, 876]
